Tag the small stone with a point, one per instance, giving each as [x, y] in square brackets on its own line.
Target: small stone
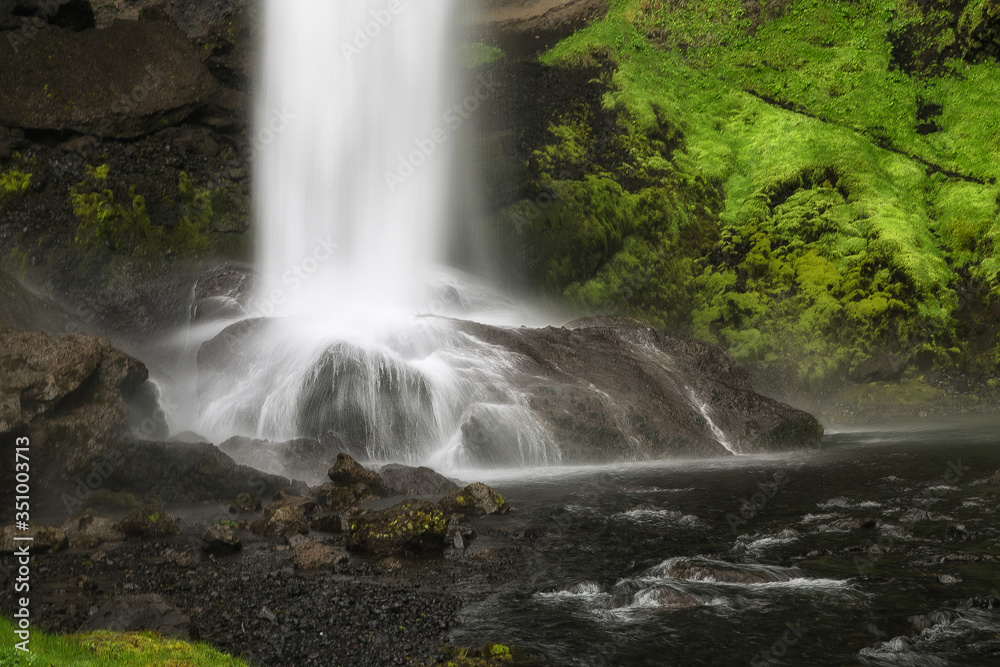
[267, 615]
[476, 499]
[220, 539]
[312, 555]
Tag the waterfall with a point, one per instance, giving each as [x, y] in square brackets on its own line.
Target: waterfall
[352, 153]
[355, 124]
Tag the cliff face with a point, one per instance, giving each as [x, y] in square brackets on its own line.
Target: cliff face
[808, 184]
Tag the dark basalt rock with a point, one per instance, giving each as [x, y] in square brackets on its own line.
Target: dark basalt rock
[148, 522]
[409, 481]
[128, 80]
[409, 526]
[349, 473]
[476, 499]
[220, 539]
[614, 388]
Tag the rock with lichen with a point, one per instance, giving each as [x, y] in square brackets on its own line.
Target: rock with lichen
[476, 499]
[409, 526]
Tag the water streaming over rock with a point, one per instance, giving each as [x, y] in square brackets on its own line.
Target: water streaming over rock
[354, 143]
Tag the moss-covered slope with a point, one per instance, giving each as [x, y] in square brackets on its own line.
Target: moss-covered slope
[805, 182]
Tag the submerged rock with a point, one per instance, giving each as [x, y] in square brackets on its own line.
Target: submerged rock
[412, 525]
[476, 499]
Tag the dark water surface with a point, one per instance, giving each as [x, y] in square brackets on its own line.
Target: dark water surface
[880, 549]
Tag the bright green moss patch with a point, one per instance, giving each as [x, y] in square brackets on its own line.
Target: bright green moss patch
[474, 54]
[13, 182]
[108, 649]
[803, 181]
[108, 224]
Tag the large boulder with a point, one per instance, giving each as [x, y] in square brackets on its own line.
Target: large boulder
[476, 499]
[302, 458]
[598, 389]
[410, 526]
[70, 397]
[87, 531]
[128, 80]
[405, 480]
[347, 472]
[614, 388]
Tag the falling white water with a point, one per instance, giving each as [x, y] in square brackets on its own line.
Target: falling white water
[719, 435]
[353, 153]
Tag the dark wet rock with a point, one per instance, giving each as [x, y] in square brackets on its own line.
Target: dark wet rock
[405, 480]
[703, 569]
[222, 293]
[330, 523]
[283, 522]
[70, 396]
[409, 526]
[185, 472]
[331, 496]
[995, 479]
[459, 535]
[244, 503]
[855, 523]
[220, 539]
[44, 539]
[305, 505]
[476, 499]
[148, 523]
[613, 388]
[88, 531]
[302, 458]
[880, 367]
[132, 613]
[349, 473]
[310, 555]
[131, 79]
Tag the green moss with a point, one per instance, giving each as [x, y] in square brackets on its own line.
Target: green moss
[124, 228]
[13, 182]
[107, 649]
[842, 228]
[474, 54]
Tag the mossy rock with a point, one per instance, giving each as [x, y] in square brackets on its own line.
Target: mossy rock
[409, 526]
[476, 499]
[347, 472]
[147, 523]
